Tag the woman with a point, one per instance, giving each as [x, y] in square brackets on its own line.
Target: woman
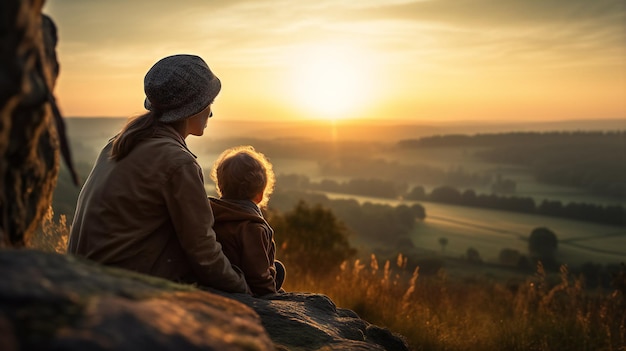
[144, 206]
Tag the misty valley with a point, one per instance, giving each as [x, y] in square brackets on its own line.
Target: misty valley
[442, 201]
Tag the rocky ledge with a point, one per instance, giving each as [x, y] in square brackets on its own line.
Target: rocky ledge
[60, 302]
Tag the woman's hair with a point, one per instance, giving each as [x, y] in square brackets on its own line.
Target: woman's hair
[241, 173]
[136, 129]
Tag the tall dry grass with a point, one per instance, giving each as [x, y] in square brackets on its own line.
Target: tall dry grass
[53, 234]
[435, 313]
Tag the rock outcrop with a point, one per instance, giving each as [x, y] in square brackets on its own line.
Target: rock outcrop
[60, 302]
[303, 321]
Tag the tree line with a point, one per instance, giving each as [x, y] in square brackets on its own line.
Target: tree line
[349, 166]
[609, 214]
[516, 138]
[595, 161]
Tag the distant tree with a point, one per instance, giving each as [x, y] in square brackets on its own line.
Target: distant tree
[445, 194]
[509, 257]
[443, 242]
[614, 215]
[293, 181]
[404, 217]
[542, 244]
[502, 185]
[348, 210]
[417, 193]
[311, 239]
[380, 222]
[419, 211]
[521, 204]
[469, 198]
[329, 185]
[524, 263]
[551, 208]
[473, 256]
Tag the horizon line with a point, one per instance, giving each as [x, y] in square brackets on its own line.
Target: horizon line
[395, 121]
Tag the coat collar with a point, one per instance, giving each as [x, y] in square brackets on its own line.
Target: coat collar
[166, 130]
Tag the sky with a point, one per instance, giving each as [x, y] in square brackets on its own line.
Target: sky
[420, 60]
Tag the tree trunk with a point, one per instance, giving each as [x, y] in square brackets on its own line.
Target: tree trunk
[29, 143]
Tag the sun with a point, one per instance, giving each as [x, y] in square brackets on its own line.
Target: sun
[331, 81]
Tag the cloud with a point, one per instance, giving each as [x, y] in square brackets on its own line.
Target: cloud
[531, 31]
[430, 32]
[240, 30]
[601, 13]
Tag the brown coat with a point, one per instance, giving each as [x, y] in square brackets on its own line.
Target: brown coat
[248, 242]
[149, 213]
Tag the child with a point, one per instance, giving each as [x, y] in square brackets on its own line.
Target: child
[244, 180]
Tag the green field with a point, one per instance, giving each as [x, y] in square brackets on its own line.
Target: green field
[490, 231]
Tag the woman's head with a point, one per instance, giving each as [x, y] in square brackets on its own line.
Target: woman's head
[179, 91]
[180, 86]
[242, 173]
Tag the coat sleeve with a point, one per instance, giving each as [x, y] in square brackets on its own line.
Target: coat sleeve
[191, 215]
[257, 260]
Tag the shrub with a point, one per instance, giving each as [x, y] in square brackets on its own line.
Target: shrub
[542, 244]
[472, 255]
[509, 257]
[311, 240]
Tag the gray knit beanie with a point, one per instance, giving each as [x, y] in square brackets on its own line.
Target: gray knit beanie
[180, 86]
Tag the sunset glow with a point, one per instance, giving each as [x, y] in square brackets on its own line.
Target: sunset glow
[419, 60]
[331, 82]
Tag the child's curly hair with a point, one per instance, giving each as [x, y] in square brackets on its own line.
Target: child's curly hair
[241, 173]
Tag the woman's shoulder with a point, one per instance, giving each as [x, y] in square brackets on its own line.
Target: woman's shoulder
[163, 157]
[167, 148]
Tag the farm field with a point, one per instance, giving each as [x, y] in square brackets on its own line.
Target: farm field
[490, 231]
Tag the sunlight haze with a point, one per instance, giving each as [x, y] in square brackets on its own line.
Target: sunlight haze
[431, 60]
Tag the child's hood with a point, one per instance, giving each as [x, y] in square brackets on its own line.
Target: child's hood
[235, 210]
